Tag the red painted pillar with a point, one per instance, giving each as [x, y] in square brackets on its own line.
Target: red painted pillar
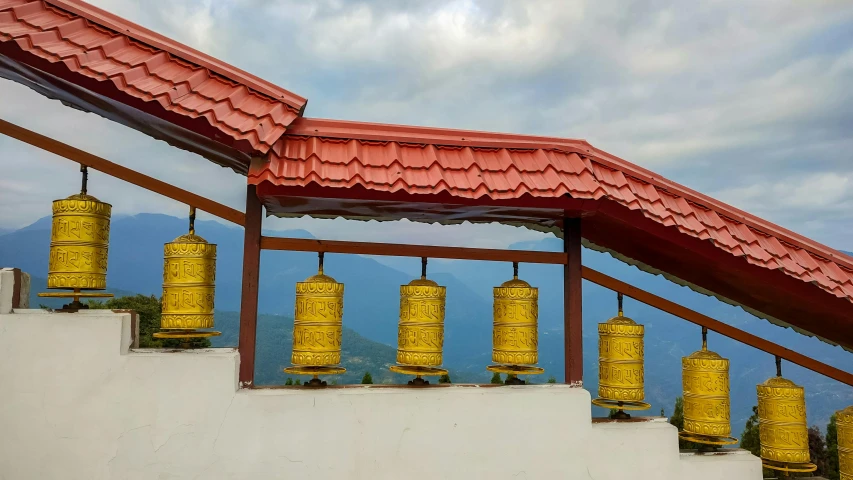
[249, 294]
[573, 320]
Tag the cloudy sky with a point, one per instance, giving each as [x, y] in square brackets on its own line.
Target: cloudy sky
[749, 102]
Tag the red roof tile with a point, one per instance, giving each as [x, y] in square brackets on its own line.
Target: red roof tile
[130, 62]
[493, 167]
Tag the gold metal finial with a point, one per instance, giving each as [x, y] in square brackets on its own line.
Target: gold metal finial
[420, 334]
[620, 365]
[782, 425]
[515, 332]
[189, 284]
[320, 256]
[707, 409]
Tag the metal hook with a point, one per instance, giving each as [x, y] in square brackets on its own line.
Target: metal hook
[85, 171]
[192, 220]
[423, 267]
[778, 366]
[619, 301]
[320, 256]
[704, 338]
[515, 270]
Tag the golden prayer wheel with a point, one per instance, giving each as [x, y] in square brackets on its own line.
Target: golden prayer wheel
[189, 275]
[620, 365]
[420, 336]
[782, 428]
[317, 327]
[79, 240]
[515, 332]
[705, 385]
[844, 423]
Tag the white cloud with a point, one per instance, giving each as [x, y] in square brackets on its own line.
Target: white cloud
[748, 101]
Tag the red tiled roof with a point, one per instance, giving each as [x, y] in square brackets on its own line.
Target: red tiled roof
[128, 62]
[491, 167]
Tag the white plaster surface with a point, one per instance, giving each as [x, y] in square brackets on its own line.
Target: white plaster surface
[7, 284]
[78, 403]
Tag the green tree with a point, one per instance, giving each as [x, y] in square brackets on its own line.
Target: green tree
[552, 379]
[817, 450]
[677, 420]
[496, 378]
[749, 439]
[831, 471]
[297, 382]
[289, 381]
[366, 379]
[444, 378]
[149, 309]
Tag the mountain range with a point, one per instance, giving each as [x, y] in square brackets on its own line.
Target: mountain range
[372, 309]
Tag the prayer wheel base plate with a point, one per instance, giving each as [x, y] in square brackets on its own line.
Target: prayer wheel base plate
[76, 295]
[418, 370]
[621, 406]
[789, 467]
[707, 439]
[515, 369]
[316, 371]
[181, 334]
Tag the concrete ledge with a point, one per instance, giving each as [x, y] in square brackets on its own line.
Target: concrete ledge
[727, 463]
[81, 404]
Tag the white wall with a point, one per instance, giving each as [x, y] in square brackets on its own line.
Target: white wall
[78, 403]
[8, 299]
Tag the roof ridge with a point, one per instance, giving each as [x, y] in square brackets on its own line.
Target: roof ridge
[341, 130]
[634, 171]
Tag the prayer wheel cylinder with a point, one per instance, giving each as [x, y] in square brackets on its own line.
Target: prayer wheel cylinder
[705, 382]
[844, 422]
[189, 275]
[782, 427]
[79, 238]
[515, 336]
[318, 321]
[420, 336]
[620, 360]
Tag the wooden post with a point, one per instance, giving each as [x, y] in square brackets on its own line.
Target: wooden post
[249, 296]
[573, 320]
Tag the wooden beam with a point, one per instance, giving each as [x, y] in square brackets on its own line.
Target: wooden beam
[715, 325]
[398, 250]
[249, 293]
[122, 173]
[572, 302]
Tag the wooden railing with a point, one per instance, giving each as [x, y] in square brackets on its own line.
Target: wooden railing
[254, 242]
